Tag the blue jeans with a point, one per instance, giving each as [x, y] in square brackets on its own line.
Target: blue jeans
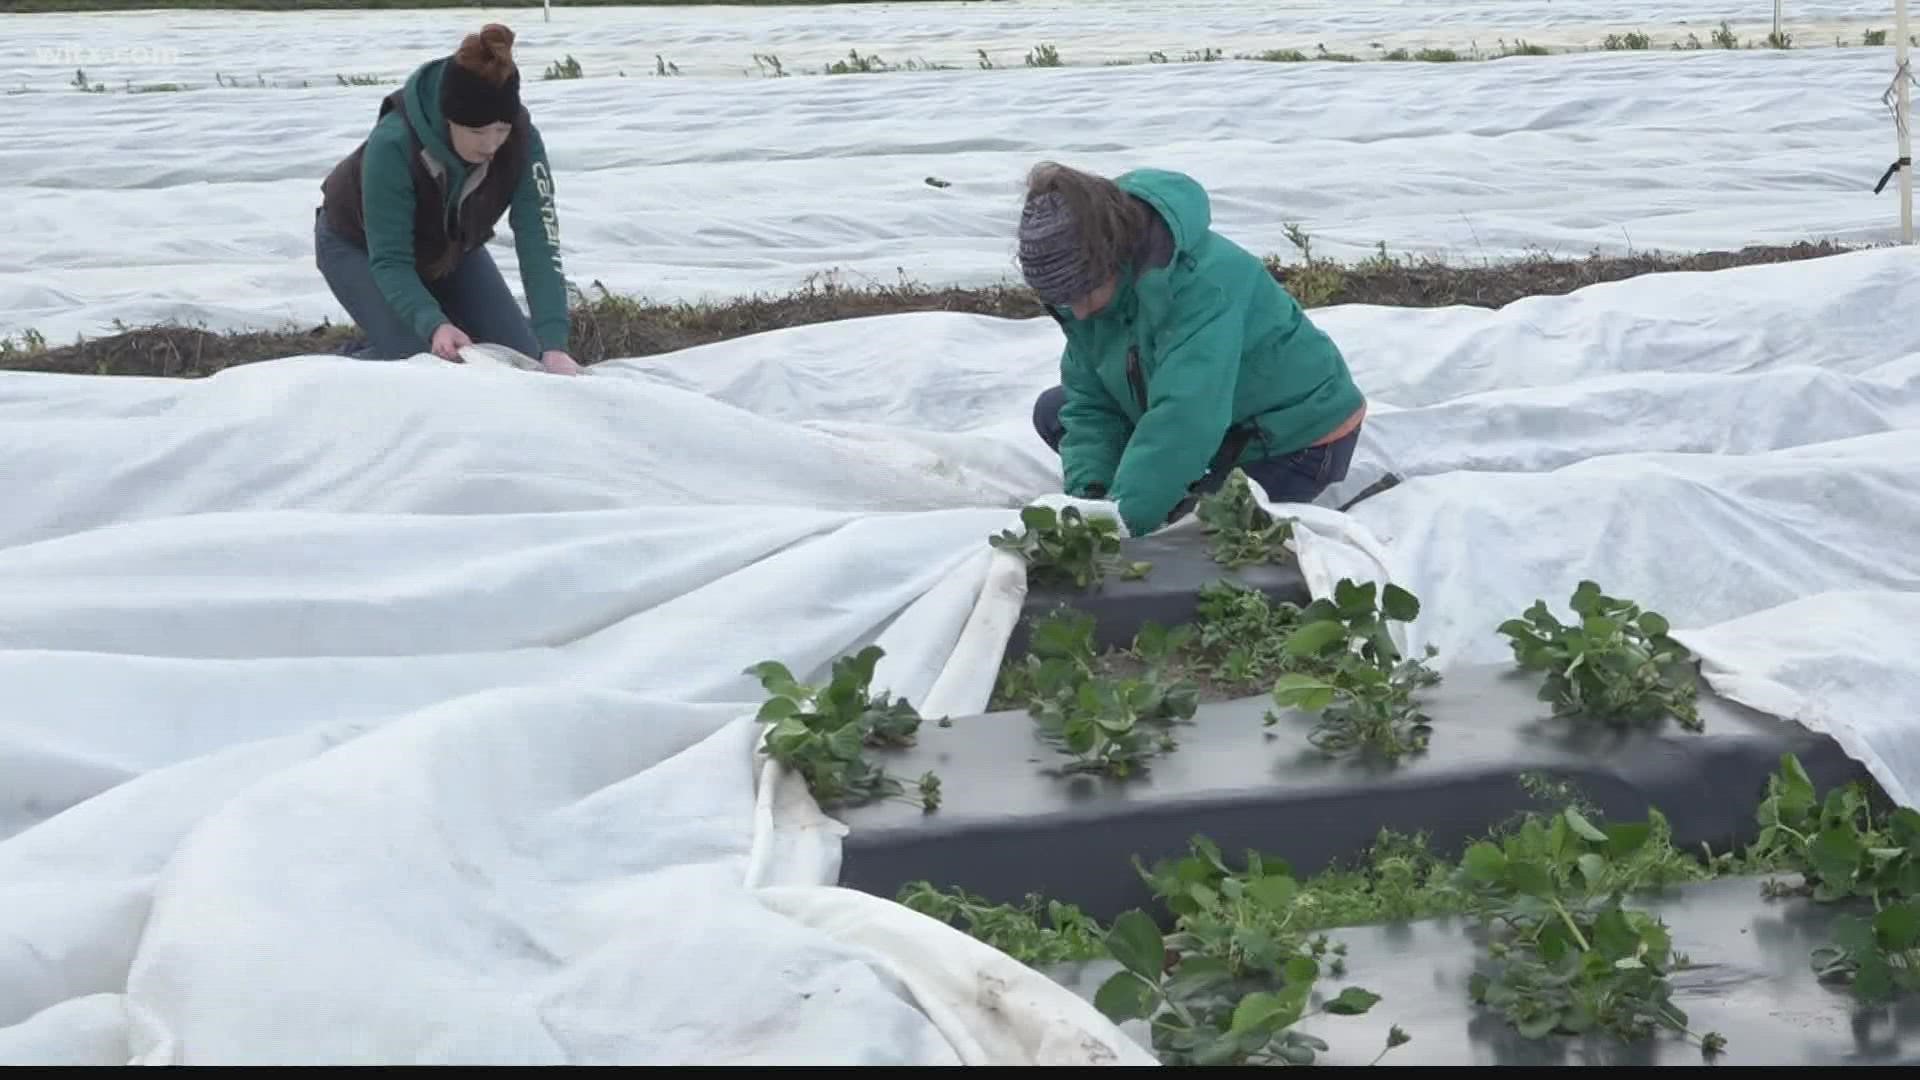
[1298, 477]
[474, 297]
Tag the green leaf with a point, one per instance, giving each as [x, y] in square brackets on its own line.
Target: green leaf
[778, 708]
[1313, 638]
[1898, 927]
[1583, 827]
[1263, 1013]
[1593, 868]
[1196, 975]
[1303, 692]
[1135, 941]
[1627, 837]
[1039, 518]
[1539, 1027]
[1653, 625]
[1531, 878]
[1125, 997]
[1586, 598]
[1613, 936]
[1275, 893]
[1835, 853]
[1398, 604]
[1352, 1001]
[1485, 862]
[1352, 597]
[1300, 971]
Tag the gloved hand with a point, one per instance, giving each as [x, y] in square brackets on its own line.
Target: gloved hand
[1089, 508]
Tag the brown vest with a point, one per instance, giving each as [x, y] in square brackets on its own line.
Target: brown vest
[440, 240]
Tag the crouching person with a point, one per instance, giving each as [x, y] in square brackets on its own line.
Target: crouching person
[401, 231]
[1184, 358]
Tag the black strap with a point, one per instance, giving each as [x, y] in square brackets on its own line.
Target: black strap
[1903, 163]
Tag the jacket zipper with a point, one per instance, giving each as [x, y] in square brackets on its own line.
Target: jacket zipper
[1135, 378]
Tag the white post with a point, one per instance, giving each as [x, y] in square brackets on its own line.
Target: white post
[1776, 20]
[1902, 110]
[546, 10]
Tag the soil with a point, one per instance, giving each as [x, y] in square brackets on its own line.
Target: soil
[1117, 664]
[616, 326]
[1122, 665]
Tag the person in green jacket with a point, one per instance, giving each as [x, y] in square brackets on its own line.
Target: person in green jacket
[1184, 358]
[401, 233]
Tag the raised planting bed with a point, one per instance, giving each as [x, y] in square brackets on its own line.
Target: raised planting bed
[1168, 594]
[1081, 564]
[1010, 822]
[1750, 980]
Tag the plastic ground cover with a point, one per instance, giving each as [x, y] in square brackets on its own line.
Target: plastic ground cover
[1167, 595]
[1751, 981]
[395, 713]
[1012, 823]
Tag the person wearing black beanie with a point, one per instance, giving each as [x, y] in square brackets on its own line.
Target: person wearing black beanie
[401, 232]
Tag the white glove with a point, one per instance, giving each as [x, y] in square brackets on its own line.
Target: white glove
[1091, 508]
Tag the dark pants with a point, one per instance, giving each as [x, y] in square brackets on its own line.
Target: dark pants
[474, 297]
[1298, 477]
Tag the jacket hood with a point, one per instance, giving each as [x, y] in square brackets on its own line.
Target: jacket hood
[422, 97]
[1179, 199]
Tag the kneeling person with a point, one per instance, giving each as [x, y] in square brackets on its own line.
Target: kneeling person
[1184, 358]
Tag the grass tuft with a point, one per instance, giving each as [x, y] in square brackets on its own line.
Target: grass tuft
[606, 324]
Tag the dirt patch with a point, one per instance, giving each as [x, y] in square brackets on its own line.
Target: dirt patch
[1122, 665]
[605, 325]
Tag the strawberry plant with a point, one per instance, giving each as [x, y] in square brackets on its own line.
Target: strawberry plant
[1241, 532]
[1039, 933]
[1571, 958]
[1235, 977]
[1240, 634]
[1361, 688]
[823, 733]
[1110, 725]
[1067, 548]
[1843, 853]
[1616, 664]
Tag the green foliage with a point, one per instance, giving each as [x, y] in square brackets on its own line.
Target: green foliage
[1844, 853]
[1228, 986]
[564, 69]
[1240, 531]
[823, 733]
[1109, 724]
[1363, 689]
[1039, 933]
[1632, 40]
[1249, 942]
[1571, 958]
[1241, 635]
[1616, 664]
[1064, 548]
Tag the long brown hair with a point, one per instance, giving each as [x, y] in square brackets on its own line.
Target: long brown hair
[1111, 224]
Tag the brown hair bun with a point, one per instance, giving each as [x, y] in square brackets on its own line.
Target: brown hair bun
[488, 54]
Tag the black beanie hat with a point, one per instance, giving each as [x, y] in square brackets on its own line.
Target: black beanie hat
[469, 98]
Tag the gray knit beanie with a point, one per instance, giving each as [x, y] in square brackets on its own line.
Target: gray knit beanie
[1051, 255]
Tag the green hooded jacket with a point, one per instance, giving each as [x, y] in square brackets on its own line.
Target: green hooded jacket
[1218, 341]
[388, 201]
